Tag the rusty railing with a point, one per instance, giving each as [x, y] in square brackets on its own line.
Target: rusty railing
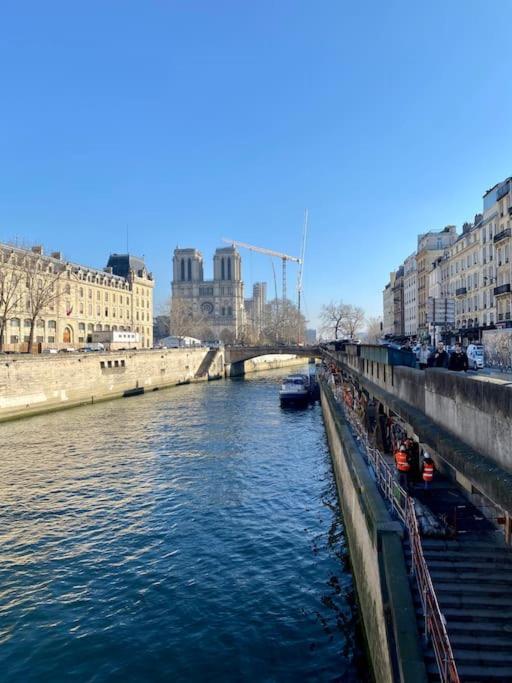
[403, 506]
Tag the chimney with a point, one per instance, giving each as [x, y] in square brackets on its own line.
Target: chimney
[38, 249]
[57, 255]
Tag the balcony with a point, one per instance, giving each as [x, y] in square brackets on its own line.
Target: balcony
[461, 291]
[502, 289]
[502, 235]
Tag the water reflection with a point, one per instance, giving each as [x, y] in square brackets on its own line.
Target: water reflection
[184, 535]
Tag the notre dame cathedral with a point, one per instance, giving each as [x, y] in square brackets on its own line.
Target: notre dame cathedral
[218, 303]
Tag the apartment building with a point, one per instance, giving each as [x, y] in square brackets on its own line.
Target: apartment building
[410, 296]
[498, 222]
[68, 302]
[466, 279]
[431, 245]
[398, 303]
[388, 301]
[473, 269]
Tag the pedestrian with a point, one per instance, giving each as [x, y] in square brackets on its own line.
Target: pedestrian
[439, 359]
[371, 414]
[403, 466]
[458, 360]
[423, 356]
[406, 346]
[427, 471]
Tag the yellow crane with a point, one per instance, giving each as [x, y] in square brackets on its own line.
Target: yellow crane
[269, 252]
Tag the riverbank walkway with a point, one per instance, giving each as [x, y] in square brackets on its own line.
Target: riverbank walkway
[469, 566]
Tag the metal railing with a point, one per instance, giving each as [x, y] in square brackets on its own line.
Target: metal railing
[403, 506]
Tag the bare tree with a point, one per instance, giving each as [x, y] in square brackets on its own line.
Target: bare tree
[10, 294]
[332, 317]
[373, 329]
[354, 321]
[340, 320]
[183, 321]
[283, 322]
[42, 279]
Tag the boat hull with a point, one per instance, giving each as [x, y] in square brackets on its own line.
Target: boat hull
[291, 398]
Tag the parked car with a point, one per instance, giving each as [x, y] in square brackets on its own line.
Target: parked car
[92, 346]
[68, 349]
[48, 351]
[214, 343]
[476, 359]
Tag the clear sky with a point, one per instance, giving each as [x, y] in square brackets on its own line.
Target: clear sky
[183, 121]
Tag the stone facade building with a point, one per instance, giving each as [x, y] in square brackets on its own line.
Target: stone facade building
[388, 318]
[218, 303]
[410, 296]
[82, 299]
[497, 226]
[431, 245]
[474, 269]
[398, 303]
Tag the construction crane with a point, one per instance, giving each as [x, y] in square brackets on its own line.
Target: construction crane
[284, 257]
[301, 261]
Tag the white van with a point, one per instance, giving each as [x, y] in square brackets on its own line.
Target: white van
[475, 353]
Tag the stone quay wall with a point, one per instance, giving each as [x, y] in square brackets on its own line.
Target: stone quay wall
[29, 386]
[376, 556]
[465, 423]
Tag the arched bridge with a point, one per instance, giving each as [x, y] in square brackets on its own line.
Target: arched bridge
[238, 354]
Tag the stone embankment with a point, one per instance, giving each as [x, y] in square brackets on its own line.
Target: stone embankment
[34, 385]
[376, 556]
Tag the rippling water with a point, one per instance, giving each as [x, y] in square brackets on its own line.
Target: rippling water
[185, 535]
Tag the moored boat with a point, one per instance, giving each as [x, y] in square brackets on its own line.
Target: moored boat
[294, 390]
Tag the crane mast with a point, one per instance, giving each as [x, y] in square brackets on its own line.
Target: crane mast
[269, 252]
[302, 255]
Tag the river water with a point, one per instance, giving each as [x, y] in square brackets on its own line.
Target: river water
[191, 534]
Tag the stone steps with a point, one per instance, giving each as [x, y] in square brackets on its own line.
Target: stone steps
[474, 673]
[473, 583]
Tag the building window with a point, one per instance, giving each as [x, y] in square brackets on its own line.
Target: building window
[189, 269]
[229, 269]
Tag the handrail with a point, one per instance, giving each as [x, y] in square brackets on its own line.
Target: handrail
[403, 505]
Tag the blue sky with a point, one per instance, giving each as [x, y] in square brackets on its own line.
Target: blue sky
[186, 121]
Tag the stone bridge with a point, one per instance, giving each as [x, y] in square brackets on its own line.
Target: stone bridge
[239, 354]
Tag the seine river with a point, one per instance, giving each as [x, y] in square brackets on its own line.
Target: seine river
[191, 534]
